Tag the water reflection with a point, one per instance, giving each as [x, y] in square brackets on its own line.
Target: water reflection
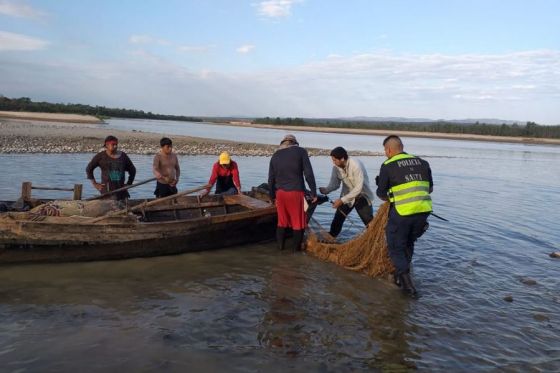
[390, 329]
[254, 309]
[283, 324]
[421, 146]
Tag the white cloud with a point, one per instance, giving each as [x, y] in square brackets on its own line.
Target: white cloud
[245, 48]
[17, 42]
[19, 9]
[275, 8]
[517, 86]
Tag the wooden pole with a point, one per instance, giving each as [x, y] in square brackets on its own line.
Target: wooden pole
[146, 204]
[120, 189]
[53, 188]
[26, 191]
[77, 192]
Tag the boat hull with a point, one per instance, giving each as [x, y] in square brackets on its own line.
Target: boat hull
[36, 242]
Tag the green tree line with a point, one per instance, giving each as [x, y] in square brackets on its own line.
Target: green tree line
[530, 129]
[25, 104]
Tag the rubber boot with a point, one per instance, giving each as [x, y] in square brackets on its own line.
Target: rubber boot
[298, 239]
[397, 280]
[408, 285]
[280, 237]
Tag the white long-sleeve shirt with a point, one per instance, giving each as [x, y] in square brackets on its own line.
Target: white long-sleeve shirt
[355, 181]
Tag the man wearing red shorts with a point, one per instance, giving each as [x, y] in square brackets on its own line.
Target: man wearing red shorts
[288, 167]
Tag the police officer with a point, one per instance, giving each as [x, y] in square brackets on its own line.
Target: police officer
[405, 181]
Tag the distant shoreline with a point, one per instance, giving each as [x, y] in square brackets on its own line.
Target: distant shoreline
[372, 132]
[18, 136]
[50, 117]
[84, 120]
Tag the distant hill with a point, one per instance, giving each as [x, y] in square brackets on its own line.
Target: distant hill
[426, 120]
[383, 119]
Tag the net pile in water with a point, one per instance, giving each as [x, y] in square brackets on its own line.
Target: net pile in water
[366, 253]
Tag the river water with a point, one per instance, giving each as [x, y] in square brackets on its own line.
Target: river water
[490, 297]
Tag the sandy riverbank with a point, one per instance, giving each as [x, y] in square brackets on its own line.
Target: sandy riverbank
[50, 117]
[431, 135]
[26, 136]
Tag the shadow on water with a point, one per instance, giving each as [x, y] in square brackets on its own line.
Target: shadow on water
[268, 310]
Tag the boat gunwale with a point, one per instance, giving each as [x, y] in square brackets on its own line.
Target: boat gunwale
[234, 216]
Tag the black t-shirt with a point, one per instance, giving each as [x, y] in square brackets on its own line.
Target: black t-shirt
[287, 169]
[112, 171]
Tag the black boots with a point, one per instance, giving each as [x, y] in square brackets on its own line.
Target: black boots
[407, 285]
[281, 237]
[298, 239]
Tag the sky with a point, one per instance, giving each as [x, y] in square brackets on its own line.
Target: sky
[435, 59]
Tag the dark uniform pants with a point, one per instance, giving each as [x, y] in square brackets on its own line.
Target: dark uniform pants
[401, 233]
[363, 207]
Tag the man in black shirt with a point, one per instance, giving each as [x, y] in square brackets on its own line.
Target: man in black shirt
[288, 167]
[113, 164]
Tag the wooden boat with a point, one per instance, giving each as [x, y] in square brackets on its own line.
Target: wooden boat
[180, 225]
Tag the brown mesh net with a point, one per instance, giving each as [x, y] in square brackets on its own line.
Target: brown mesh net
[366, 253]
[63, 212]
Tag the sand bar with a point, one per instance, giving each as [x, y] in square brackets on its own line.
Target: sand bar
[32, 136]
[50, 117]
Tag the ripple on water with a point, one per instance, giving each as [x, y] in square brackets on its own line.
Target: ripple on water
[252, 308]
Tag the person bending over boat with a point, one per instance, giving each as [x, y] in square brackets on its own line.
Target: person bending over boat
[355, 193]
[225, 174]
[406, 182]
[288, 167]
[166, 169]
[113, 164]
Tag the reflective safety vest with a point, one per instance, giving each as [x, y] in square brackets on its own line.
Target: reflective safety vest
[411, 197]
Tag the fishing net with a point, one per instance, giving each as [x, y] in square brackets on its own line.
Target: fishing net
[366, 253]
[76, 208]
[62, 208]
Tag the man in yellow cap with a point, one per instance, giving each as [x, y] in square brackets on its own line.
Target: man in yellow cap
[225, 174]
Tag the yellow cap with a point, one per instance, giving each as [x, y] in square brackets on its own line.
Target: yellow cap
[224, 158]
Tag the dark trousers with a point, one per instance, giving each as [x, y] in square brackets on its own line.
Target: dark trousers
[401, 233]
[363, 207]
[228, 192]
[164, 190]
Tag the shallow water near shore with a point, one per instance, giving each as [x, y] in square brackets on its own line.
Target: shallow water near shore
[253, 308]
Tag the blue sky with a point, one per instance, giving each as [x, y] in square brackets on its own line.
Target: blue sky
[308, 58]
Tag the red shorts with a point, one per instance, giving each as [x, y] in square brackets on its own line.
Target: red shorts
[289, 205]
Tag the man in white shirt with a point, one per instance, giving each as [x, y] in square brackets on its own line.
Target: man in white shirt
[356, 192]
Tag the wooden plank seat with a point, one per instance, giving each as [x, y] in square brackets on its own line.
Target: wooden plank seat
[244, 200]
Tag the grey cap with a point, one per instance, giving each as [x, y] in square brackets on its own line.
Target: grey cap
[290, 138]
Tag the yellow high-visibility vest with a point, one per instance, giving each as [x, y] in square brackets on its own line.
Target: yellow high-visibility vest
[412, 197]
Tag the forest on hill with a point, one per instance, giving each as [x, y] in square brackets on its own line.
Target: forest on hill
[530, 129]
[25, 104]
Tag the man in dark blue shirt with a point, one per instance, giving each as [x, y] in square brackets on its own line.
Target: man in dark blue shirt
[405, 181]
[288, 166]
